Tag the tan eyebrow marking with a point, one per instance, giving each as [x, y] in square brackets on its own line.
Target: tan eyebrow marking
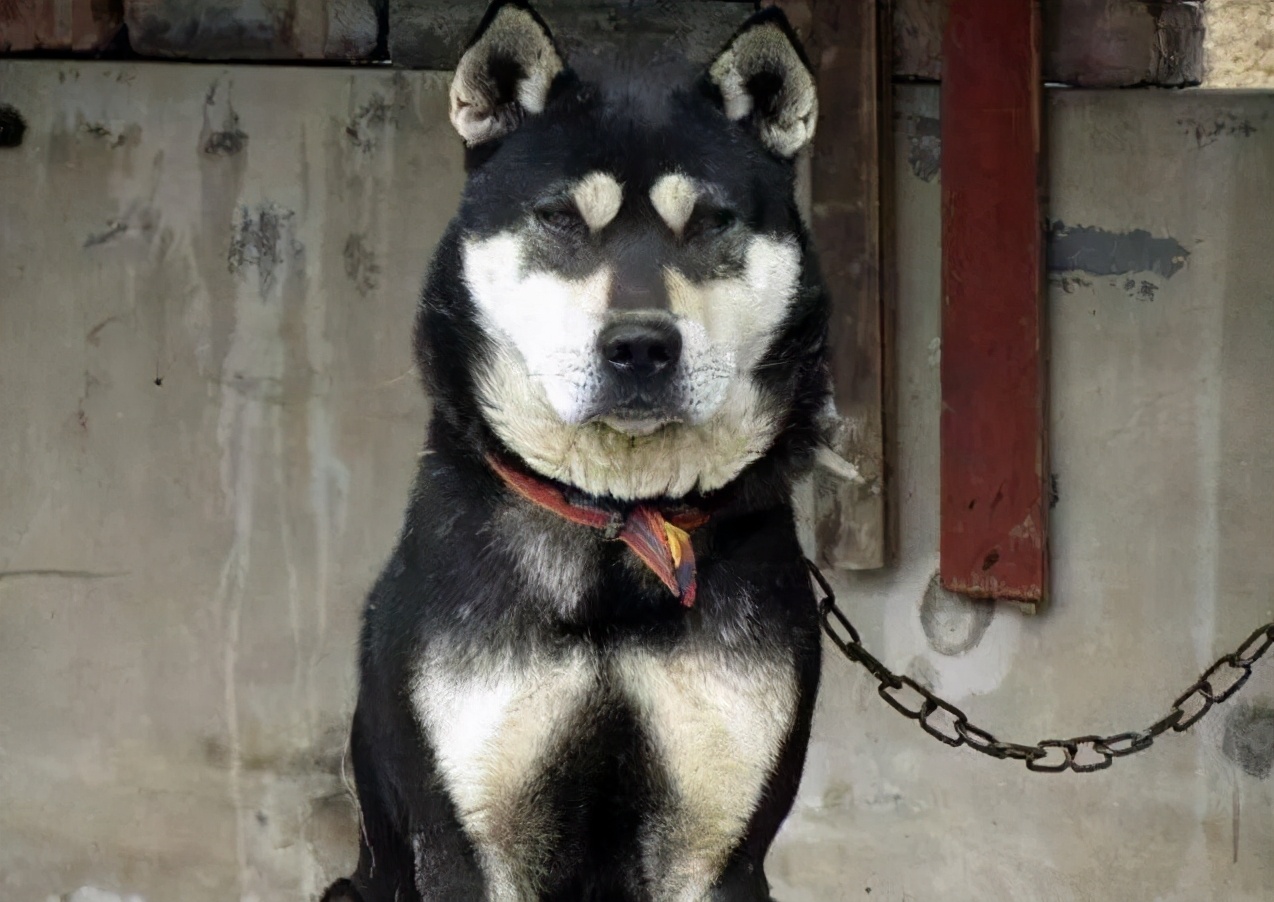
[674, 196]
[598, 196]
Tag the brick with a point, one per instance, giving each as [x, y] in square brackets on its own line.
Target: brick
[268, 30]
[79, 25]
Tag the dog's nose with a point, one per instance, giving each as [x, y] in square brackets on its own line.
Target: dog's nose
[641, 349]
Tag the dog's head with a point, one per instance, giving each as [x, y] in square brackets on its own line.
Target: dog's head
[625, 299]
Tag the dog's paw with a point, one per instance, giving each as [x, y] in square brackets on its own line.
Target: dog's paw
[341, 891]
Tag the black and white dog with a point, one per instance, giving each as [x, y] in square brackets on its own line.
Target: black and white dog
[589, 668]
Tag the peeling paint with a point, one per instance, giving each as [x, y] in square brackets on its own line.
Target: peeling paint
[367, 120]
[1101, 252]
[229, 139]
[129, 136]
[924, 146]
[262, 238]
[227, 142]
[1224, 125]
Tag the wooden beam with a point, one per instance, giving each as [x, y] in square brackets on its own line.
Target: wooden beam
[849, 48]
[994, 469]
[1087, 43]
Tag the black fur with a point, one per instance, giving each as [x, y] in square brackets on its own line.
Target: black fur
[453, 581]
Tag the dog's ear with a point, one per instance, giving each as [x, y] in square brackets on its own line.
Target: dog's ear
[766, 82]
[505, 73]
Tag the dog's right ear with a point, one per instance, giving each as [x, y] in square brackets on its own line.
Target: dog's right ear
[505, 74]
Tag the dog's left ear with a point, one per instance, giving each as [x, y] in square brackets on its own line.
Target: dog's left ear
[505, 74]
[765, 81]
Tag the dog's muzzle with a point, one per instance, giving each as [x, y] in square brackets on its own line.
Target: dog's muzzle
[641, 352]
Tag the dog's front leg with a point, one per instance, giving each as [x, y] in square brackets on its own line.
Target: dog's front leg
[446, 868]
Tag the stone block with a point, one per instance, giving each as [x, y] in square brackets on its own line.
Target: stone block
[1087, 43]
[81, 25]
[431, 34]
[263, 30]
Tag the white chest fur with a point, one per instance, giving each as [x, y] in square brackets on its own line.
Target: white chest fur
[716, 720]
[492, 729]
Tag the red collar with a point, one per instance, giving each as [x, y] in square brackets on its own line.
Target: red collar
[659, 536]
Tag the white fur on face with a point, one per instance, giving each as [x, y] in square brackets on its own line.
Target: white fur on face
[742, 313]
[598, 198]
[543, 324]
[543, 382]
[674, 197]
[717, 721]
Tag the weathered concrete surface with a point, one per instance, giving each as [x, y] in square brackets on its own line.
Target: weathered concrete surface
[181, 565]
[209, 421]
[1163, 443]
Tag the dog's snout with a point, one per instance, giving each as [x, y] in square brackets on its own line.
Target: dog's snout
[641, 349]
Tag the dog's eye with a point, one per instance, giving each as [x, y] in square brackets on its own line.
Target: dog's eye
[560, 219]
[710, 223]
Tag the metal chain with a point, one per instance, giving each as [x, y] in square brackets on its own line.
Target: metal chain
[1081, 754]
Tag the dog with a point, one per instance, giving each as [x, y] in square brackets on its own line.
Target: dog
[588, 670]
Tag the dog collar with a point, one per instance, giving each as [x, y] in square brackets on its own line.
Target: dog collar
[660, 537]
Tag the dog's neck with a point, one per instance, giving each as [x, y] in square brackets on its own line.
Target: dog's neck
[658, 533]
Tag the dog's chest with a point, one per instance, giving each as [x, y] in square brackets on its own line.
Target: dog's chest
[712, 725]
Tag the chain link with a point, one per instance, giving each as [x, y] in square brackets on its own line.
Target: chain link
[1081, 754]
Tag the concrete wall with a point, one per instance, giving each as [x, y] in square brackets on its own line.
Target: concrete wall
[181, 564]
[209, 422]
[1163, 444]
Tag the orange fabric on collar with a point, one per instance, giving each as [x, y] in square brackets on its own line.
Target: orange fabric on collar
[661, 541]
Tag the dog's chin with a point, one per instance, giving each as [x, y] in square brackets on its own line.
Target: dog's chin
[636, 425]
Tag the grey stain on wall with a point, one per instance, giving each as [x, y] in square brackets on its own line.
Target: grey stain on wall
[1101, 252]
[1249, 739]
[12, 126]
[228, 141]
[368, 121]
[1223, 125]
[953, 624]
[262, 238]
[360, 264]
[129, 136]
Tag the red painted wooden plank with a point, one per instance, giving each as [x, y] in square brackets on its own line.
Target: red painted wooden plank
[994, 503]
